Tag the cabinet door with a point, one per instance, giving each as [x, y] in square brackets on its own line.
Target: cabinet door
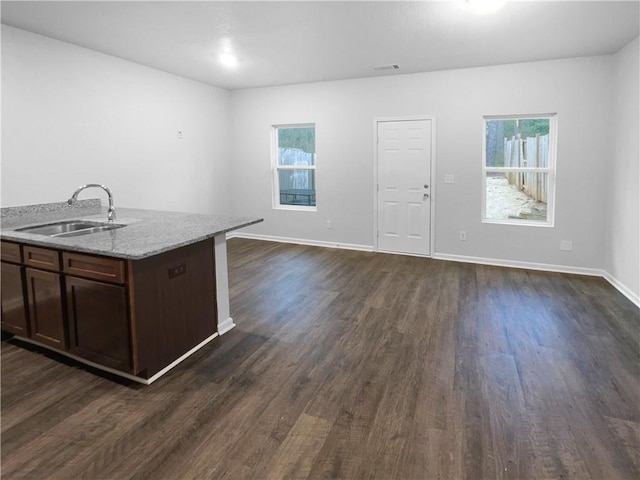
[99, 322]
[46, 312]
[14, 312]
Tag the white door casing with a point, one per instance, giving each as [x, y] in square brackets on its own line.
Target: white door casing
[404, 189]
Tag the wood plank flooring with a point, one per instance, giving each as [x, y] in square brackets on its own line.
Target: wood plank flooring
[354, 365]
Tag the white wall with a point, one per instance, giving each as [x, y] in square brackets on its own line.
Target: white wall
[623, 232]
[72, 116]
[343, 111]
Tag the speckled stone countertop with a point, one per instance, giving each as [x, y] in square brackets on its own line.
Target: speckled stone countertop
[147, 232]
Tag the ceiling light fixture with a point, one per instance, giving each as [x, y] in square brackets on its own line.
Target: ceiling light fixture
[228, 60]
[484, 7]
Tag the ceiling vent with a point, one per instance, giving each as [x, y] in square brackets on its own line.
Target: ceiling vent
[382, 68]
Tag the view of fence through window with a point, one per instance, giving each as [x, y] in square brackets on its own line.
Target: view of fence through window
[517, 169]
[296, 165]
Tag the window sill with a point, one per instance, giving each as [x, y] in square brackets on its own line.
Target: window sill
[297, 208]
[521, 223]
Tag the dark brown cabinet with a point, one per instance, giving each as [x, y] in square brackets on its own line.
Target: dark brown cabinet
[46, 311]
[99, 327]
[43, 284]
[32, 304]
[97, 310]
[14, 312]
[132, 316]
[11, 252]
[174, 304]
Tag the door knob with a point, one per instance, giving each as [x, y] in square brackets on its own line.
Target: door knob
[426, 186]
[426, 195]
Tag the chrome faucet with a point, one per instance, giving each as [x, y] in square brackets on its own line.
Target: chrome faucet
[111, 216]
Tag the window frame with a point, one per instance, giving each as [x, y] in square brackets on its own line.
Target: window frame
[550, 170]
[276, 168]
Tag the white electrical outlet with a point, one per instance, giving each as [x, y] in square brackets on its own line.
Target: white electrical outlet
[179, 133]
[329, 224]
[463, 235]
[566, 245]
[448, 178]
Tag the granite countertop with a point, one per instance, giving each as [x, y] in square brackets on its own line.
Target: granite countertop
[147, 232]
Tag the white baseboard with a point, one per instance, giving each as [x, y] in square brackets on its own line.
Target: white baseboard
[119, 373]
[545, 267]
[181, 358]
[300, 241]
[225, 326]
[622, 288]
[594, 272]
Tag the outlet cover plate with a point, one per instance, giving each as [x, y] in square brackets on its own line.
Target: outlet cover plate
[566, 245]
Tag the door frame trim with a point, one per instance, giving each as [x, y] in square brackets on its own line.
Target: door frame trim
[432, 193]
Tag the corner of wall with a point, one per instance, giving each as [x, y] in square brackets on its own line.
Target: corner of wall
[622, 247]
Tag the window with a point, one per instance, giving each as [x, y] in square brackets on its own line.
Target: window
[519, 169]
[294, 172]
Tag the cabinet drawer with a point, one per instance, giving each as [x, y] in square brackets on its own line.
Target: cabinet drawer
[97, 268]
[10, 252]
[42, 258]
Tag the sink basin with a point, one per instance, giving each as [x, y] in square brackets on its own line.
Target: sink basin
[69, 228]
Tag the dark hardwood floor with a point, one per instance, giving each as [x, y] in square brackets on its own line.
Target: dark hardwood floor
[355, 365]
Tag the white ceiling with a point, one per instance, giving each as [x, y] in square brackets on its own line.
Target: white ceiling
[307, 41]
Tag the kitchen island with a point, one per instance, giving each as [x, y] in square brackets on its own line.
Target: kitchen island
[134, 300]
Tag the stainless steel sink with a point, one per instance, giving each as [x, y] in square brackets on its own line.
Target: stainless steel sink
[70, 228]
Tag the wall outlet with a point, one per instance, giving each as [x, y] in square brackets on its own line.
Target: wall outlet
[177, 271]
[448, 178]
[329, 224]
[179, 133]
[566, 245]
[463, 235]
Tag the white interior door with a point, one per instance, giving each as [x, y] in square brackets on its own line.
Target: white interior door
[404, 186]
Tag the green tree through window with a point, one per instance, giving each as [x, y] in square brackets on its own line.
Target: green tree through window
[303, 138]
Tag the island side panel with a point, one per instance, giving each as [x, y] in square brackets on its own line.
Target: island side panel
[225, 322]
[174, 308]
